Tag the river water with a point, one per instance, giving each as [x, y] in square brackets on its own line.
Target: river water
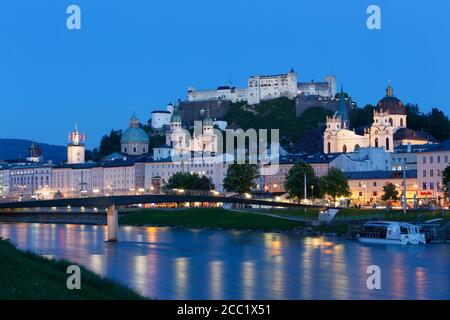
[167, 263]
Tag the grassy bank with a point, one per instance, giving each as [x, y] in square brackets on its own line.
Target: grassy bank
[24, 275]
[225, 219]
[207, 218]
[350, 214]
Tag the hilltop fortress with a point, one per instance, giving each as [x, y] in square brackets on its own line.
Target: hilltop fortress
[266, 87]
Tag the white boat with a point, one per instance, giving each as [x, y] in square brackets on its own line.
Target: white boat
[391, 232]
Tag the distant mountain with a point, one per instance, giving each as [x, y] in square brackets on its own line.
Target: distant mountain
[18, 149]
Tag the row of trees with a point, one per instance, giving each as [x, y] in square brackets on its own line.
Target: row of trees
[240, 178]
[333, 184]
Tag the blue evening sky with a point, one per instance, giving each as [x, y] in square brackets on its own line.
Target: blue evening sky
[138, 55]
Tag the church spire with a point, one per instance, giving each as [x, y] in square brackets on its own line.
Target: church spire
[342, 109]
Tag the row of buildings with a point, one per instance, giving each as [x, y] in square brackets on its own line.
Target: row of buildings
[367, 170]
[385, 151]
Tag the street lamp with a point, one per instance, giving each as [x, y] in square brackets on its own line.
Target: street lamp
[364, 199]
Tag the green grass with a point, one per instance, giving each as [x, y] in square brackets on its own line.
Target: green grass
[351, 214]
[339, 229]
[27, 276]
[207, 218]
[310, 214]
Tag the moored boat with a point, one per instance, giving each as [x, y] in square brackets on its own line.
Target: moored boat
[391, 232]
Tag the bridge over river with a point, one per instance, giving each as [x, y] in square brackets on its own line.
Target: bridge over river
[112, 202]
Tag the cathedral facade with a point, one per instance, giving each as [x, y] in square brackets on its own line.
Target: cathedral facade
[181, 142]
[389, 120]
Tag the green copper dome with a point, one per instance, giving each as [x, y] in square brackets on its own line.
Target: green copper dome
[134, 134]
[175, 116]
[208, 121]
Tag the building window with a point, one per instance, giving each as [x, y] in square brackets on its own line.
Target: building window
[376, 142]
[375, 193]
[374, 183]
[387, 143]
[431, 185]
[438, 159]
[424, 186]
[431, 173]
[401, 122]
[424, 173]
[424, 160]
[431, 159]
[329, 147]
[344, 149]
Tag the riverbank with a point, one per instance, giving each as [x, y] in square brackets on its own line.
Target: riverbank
[208, 218]
[292, 221]
[223, 219]
[28, 276]
[297, 221]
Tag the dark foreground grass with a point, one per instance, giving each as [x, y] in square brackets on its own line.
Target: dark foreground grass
[24, 275]
[207, 218]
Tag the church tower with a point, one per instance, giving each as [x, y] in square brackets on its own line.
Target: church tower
[343, 110]
[76, 147]
[34, 153]
[175, 138]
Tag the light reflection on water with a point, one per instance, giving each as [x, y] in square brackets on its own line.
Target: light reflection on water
[190, 264]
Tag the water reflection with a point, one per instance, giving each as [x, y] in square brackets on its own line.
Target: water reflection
[190, 264]
[181, 276]
[216, 279]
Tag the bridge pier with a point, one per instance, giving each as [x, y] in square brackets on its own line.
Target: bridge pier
[112, 219]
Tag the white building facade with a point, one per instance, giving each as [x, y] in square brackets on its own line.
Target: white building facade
[389, 117]
[158, 173]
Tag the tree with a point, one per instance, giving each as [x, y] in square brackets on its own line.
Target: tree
[338, 95]
[361, 116]
[241, 178]
[390, 192]
[156, 141]
[188, 181]
[110, 144]
[313, 118]
[446, 179]
[270, 114]
[294, 182]
[335, 184]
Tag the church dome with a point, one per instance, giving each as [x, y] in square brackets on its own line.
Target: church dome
[391, 103]
[134, 135]
[208, 121]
